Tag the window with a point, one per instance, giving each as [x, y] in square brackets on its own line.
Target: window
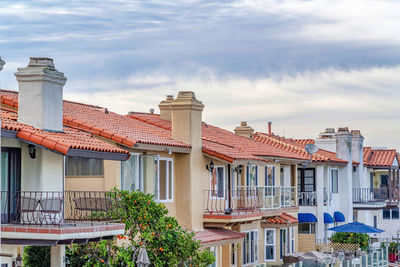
[213, 251]
[306, 228]
[233, 254]
[270, 244]
[371, 182]
[76, 166]
[250, 247]
[166, 179]
[384, 180]
[390, 214]
[218, 182]
[130, 173]
[282, 177]
[306, 180]
[252, 175]
[376, 221]
[292, 237]
[270, 176]
[335, 181]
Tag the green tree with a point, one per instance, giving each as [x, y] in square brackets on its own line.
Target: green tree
[36, 256]
[147, 225]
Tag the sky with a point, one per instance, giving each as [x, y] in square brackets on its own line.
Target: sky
[304, 65]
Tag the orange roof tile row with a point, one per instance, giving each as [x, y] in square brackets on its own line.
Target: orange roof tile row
[284, 218]
[379, 157]
[298, 147]
[61, 142]
[211, 235]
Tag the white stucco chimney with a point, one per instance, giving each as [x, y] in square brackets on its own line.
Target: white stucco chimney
[40, 98]
[344, 144]
[326, 140]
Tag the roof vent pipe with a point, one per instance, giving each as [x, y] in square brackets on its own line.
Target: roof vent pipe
[270, 128]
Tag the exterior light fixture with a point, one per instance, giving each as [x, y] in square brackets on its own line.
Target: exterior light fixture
[210, 167]
[239, 169]
[169, 151]
[32, 151]
[18, 261]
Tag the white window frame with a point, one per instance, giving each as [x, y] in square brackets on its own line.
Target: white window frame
[332, 170]
[265, 244]
[248, 174]
[213, 250]
[255, 231]
[224, 179]
[170, 162]
[138, 171]
[273, 174]
[292, 237]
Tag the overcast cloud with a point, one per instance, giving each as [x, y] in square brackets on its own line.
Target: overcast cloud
[305, 65]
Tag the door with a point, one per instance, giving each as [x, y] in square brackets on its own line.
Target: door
[284, 243]
[10, 182]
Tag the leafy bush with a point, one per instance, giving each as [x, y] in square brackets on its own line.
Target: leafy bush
[36, 256]
[351, 238]
[147, 225]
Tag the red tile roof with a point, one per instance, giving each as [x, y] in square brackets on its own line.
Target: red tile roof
[379, 157]
[61, 142]
[297, 146]
[214, 235]
[227, 144]
[99, 121]
[284, 218]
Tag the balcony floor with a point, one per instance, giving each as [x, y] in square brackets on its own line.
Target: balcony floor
[68, 233]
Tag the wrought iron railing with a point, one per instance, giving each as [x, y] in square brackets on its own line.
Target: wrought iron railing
[57, 207]
[246, 199]
[307, 198]
[365, 195]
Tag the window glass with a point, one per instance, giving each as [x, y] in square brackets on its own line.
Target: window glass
[282, 177]
[269, 244]
[149, 174]
[335, 181]
[270, 176]
[166, 178]
[306, 180]
[218, 181]
[252, 175]
[130, 173]
[386, 214]
[76, 166]
[395, 213]
[250, 247]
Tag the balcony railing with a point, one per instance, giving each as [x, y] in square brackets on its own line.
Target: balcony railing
[307, 198]
[57, 208]
[249, 199]
[365, 195]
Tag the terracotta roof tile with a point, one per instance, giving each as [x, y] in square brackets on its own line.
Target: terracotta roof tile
[61, 142]
[99, 121]
[213, 235]
[297, 146]
[379, 157]
[284, 218]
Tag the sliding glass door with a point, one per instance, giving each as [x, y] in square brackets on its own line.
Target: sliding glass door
[10, 182]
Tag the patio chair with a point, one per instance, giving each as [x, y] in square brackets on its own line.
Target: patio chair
[27, 207]
[51, 209]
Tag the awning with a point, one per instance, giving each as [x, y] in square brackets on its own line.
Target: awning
[307, 218]
[339, 217]
[284, 218]
[212, 236]
[328, 218]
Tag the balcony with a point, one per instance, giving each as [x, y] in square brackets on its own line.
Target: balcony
[40, 217]
[310, 198]
[248, 200]
[374, 195]
[57, 208]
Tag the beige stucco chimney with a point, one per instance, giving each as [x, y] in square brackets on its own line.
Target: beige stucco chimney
[244, 130]
[186, 118]
[40, 97]
[165, 107]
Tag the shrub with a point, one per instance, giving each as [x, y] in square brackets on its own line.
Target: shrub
[36, 256]
[351, 238]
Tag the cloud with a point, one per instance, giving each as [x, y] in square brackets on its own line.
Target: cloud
[300, 106]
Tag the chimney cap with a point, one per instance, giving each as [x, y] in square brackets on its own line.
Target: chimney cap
[243, 123]
[41, 62]
[330, 130]
[169, 97]
[343, 129]
[355, 132]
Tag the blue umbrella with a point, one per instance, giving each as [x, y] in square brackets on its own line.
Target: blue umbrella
[356, 227]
